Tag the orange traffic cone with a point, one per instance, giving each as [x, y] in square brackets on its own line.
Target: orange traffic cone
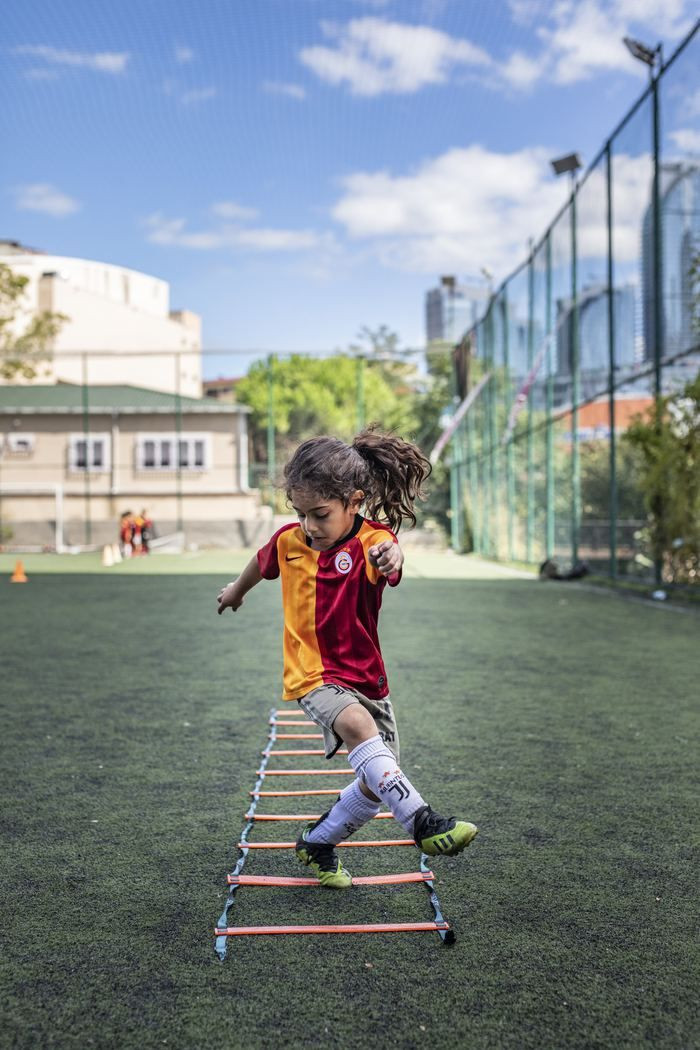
[19, 575]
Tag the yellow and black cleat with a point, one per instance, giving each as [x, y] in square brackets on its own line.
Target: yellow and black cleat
[441, 836]
[323, 861]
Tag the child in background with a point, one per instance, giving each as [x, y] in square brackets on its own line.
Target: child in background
[334, 566]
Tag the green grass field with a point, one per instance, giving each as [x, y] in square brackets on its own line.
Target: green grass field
[561, 720]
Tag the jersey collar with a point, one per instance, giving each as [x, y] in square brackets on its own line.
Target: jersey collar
[357, 525]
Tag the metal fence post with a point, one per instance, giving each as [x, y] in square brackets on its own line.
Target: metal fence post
[179, 523]
[508, 391]
[575, 386]
[86, 439]
[530, 407]
[658, 306]
[549, 397]
[360, 378]
[271, 465]
[493, 436]
[611, 371]
[473, 482]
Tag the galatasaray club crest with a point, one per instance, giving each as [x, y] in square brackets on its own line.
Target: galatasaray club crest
[343, 562]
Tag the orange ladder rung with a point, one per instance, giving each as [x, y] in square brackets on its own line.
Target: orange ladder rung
[371, 927]
[298, 736]
[361, 880]
[305, 772]
[303, 816]
[275, 722]
[292, 845]
[298, 751]
[288, 794]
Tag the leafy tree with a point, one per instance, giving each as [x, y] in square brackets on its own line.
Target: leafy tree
[668, 440]
[595, 480]
[694, 274]
[432, 396]
[319, 396]
[21, 353]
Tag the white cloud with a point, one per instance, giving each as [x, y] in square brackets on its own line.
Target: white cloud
[290, 90]
[229, 236]
[686, 139]
[234, 212]
[183, 55]
[99, 61]
[196, 95]
[42, 73]
[374, 56]
[43, 197]
[583, 37]
[471, 207]
[520, 71]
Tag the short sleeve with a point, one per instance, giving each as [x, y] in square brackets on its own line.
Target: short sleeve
[373, 575]
[268, 559]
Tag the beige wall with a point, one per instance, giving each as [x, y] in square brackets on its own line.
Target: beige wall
[218, 493]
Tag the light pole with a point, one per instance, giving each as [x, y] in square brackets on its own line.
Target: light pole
[571, 164]
[653, 58]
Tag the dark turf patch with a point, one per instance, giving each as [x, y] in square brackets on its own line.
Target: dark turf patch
[133, 723]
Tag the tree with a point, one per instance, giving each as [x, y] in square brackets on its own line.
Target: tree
[668, 440]
[694, 275]
[314, 396]
[21, 352]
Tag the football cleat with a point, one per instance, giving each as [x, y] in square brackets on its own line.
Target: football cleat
[323, 860]
[437, 835]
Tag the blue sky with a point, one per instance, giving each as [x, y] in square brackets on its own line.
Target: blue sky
[299, 168]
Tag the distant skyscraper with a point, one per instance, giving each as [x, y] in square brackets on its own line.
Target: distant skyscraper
[593, 329]
[452, 308]
[680, 243]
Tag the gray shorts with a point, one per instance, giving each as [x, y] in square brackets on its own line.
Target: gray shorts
[324, 704]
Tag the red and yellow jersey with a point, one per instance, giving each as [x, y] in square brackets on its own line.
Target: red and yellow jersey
[331, 603]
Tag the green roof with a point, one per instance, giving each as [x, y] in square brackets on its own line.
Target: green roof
[68, 397]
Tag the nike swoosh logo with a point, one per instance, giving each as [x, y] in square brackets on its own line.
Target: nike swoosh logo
[295, 557]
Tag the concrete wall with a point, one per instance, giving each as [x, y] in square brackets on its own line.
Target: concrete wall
[115, 313]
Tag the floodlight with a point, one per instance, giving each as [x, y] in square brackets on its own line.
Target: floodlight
[571, 162]
[641, 51]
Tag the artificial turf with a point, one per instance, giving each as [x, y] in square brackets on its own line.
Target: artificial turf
[559, 719]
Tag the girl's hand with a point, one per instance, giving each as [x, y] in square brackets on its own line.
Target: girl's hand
[387, 556]
[229, 598]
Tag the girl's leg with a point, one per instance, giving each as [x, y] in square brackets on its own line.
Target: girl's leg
[377, 770]
[352, 809]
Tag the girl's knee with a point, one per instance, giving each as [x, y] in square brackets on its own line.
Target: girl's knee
[354, 725]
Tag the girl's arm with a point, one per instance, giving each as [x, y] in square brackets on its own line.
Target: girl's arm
[231, 596]
[387, 556]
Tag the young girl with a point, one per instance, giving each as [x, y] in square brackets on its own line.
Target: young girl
[334, 566]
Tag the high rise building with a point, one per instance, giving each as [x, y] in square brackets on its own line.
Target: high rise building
[680, 246]
[452, 308]
[593, 329]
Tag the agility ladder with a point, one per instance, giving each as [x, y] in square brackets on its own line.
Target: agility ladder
[223, 931]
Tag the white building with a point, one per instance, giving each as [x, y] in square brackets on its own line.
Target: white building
[120, 329]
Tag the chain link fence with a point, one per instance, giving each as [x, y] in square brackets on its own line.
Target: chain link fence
[598, 323]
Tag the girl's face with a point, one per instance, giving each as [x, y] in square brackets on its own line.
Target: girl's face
[325, 521]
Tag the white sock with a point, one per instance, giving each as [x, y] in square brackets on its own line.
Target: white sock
[376, 765]
[351, 811]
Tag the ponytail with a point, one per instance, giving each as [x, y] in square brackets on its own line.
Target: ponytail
[396, 472]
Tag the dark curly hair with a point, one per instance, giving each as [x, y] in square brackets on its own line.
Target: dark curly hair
[387, 469]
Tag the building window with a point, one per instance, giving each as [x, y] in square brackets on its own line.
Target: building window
[20, 444]
[91, 452]
[191, 452]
